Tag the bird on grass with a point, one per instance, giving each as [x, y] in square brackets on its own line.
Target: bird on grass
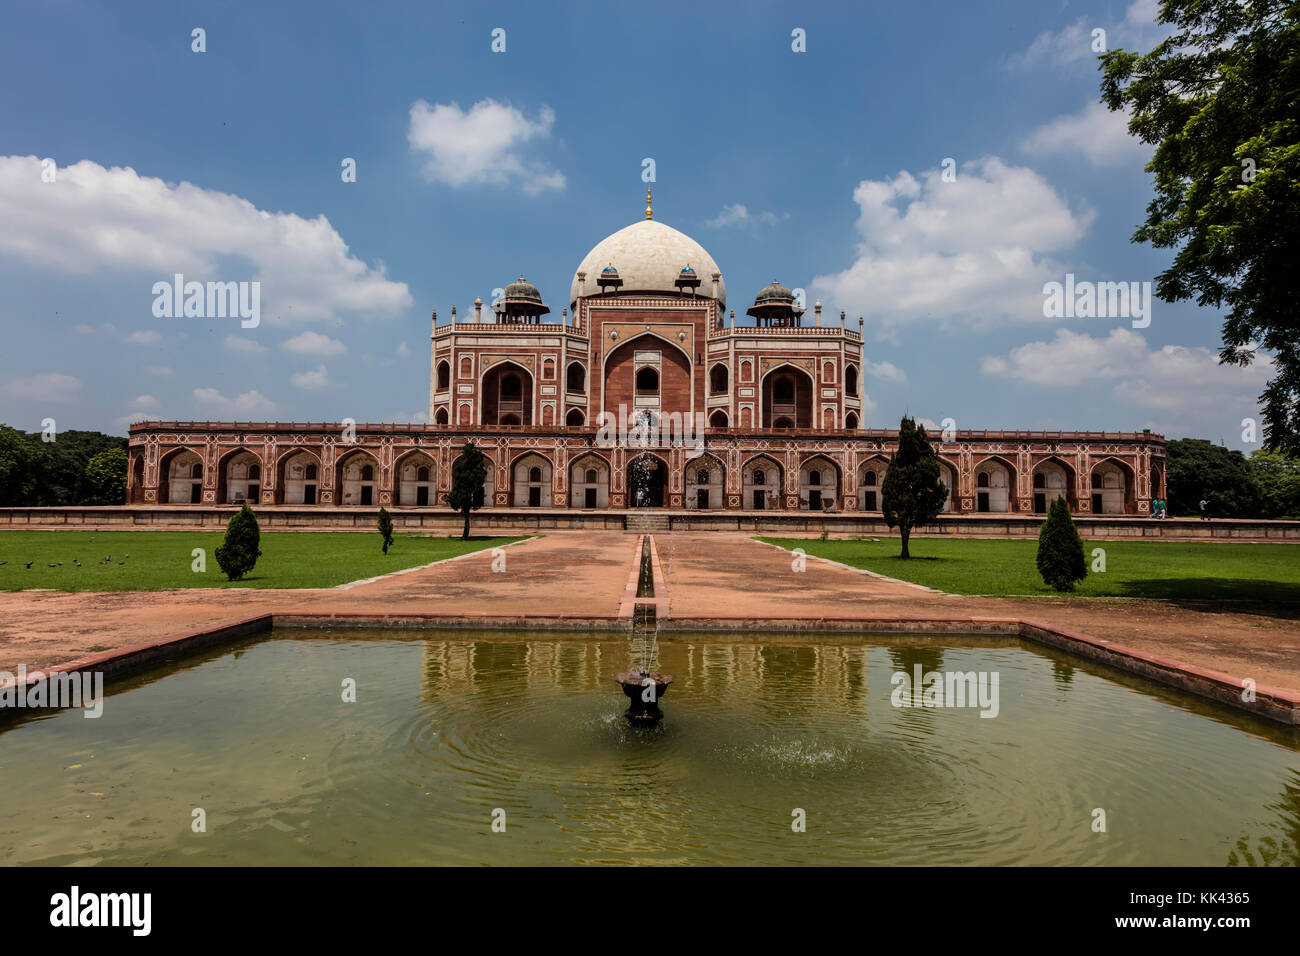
[29, 564]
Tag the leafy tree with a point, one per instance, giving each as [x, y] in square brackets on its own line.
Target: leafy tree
[1278, 477]
[1060, 549]
[105, 479]
[386, 528]
[23, 464]
[912, 493]
[1201, 469]
[467, 477]
[1218, 101]
[240, 550]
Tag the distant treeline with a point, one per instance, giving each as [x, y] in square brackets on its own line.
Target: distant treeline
[1265, 485]
[76, 468]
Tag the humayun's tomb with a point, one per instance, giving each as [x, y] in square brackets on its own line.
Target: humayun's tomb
[646, 337]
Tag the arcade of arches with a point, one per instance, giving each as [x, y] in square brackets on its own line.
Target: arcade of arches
[412, 469]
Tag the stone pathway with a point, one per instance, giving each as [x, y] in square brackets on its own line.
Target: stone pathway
[713, 574]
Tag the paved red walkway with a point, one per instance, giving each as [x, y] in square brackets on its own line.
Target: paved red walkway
[714, 574]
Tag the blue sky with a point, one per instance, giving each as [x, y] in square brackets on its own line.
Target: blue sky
[821, 168]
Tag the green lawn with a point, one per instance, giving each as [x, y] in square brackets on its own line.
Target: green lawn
[1143, 569]
[162, 559]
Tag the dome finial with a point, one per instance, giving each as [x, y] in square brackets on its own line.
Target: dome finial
[649, 213]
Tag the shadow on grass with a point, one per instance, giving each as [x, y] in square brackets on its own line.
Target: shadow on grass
[1235, 595]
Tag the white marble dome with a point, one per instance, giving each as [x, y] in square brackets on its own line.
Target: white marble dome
[649, 257]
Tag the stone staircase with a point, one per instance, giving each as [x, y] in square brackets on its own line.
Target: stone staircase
[646, 521]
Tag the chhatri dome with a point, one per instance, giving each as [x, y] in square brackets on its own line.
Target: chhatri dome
[648, 256]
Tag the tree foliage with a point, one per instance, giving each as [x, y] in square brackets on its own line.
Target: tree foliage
[386, 528]
[1278, 477]
[239, 552]
[1060, 549]
[36, 472]
[1218, 101]
[467, 477]
[912, 493]
[1200, 469]
[105, 478]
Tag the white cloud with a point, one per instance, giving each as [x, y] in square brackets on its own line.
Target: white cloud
[159, 370]
[313, 343]
[1074, 43]
[481, 145]
[84, 329]
[251, 405]
[973, 250]
[1173, 378]
[737, 214]
[47, 387]
[143, 337]
[143, 403]
[886, 372]
[94, 219]
[240, 343]
[403, 351]
[1096, 133]
[315, 378]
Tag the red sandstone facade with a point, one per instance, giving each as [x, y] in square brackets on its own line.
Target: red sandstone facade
[772, 412]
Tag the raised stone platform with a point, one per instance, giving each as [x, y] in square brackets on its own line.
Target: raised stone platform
[793, 523]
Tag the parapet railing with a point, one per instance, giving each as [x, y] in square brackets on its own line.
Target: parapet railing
[881, 433]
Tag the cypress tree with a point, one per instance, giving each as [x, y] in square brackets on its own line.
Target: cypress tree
[1060, 549]
[912, 493]
[467, 477]
[239, 552]
[386, 528]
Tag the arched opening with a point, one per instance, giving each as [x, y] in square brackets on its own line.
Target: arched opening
[647, 382]
[532, 481]
[819, 484]
[444, 376]
[1112, 488]
[761, 484]
[948, 475]
[718, 419]
[507, 395]
[851, 421]
[576, 378]
[575, 418]
[416, 485]
[136, 494]
[355, 479]
[649, 373]
[489, 480]
[871, 476]
[705, 481]
[440, 417]
[182, 478]
[298, 480]
[240, 479]
[788, 398]
[1052, 479]
[850, 380]
[718, 379]
[647, 482]
[994, 484]
[589, 482]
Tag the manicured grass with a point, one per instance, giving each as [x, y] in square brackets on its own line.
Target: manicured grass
[163, 559]
[1145, 569]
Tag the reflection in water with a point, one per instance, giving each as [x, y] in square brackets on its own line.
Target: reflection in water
[448, 729]
[1280, 846]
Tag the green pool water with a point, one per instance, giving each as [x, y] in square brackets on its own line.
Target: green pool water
[448, 730]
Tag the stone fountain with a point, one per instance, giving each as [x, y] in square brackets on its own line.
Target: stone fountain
[643, 690]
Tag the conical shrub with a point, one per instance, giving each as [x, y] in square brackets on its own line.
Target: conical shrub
[1060, 549]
